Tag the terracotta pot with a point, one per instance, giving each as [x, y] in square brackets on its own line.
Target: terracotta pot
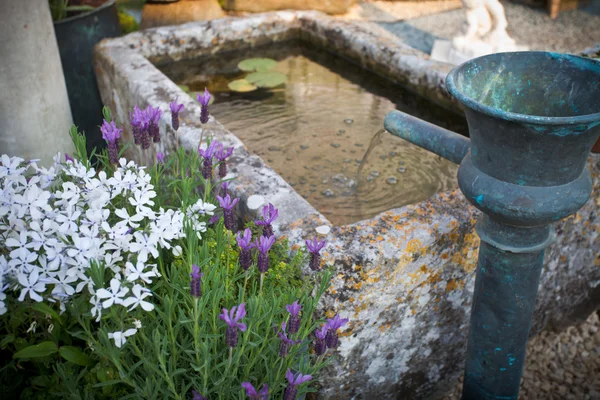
[596, 148]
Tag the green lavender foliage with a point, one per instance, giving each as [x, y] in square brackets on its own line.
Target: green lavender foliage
[181, 345]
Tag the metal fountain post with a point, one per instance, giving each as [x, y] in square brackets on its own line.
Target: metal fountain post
[533, 119]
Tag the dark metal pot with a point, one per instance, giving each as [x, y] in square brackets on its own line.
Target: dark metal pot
[76, 37]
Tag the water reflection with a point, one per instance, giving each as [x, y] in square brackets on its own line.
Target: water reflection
[317, 131]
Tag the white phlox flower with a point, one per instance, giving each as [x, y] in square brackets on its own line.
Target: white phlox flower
[139, 294]
[114, 295]
[121, 337]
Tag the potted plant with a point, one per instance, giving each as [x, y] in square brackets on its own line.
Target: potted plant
[79, 25]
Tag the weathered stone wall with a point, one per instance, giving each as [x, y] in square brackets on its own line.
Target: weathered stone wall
[405, 277]
[258, 6]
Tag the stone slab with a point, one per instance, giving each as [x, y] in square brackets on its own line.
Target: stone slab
[405, 277]
[180, 12]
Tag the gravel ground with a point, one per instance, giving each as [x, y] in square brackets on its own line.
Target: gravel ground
[560, 366]
[571, 32]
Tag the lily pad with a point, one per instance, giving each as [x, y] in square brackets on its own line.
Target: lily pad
[241, 85]
[257, 64]
[268, 79]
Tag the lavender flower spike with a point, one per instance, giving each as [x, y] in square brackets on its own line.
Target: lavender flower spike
[334, 324]
[175, 110]
[269, 214]
[286, 342]
[294, 381]
[319, 344]
[224, 188]
[195, 283]
[227, 204]
[160, 157]
[111, 134]
[208, 155]
[197, 396]
[253, 395]
[233, 324]
[294, 310]
[244, 241]
[68, 158]
[204, 99]
[221, 154]
[314, 248]
[154, 115]
[137, 119]
[263, 245]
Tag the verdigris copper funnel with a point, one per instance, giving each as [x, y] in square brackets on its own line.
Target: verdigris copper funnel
[533, 119]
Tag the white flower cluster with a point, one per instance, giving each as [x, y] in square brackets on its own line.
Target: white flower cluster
[55, 222]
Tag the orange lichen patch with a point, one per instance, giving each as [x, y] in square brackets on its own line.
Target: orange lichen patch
[454, 284]
[414, 246]
[444, 256]
[332, 290]
[467, 256]
[436, 308]
[351, 299]
[330, 314]
[359, 308]
[385, 327]
[562, 258]
[413, 311]
[215, 40]
[597, 262]
[346, 333]
[164, 41]
[399, 299]
[182, 41]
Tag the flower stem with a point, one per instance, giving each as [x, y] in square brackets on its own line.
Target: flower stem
[245, 282]
[261, 283]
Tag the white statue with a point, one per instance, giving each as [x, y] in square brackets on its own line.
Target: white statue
[485, 34]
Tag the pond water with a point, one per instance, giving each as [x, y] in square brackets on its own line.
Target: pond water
[316, 129]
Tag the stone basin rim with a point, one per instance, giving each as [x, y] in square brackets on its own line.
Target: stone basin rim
[512, 116]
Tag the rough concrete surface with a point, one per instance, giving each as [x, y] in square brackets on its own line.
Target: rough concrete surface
[405, 277]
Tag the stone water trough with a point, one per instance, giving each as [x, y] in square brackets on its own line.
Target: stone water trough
[405, 277]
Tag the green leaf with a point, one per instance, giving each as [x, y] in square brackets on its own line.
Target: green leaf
[75, 355]
[6, 340]
[257, 64]
[106, 114]
[47, 310]
[269, 79]
[241, 85]
[39, 350]
[185, 88]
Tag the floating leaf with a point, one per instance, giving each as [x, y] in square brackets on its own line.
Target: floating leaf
[75, 355]
[39, 350]
[257, 64]
[269, 79]
[241, 85]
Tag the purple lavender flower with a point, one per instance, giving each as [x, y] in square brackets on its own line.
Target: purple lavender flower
[227, 205]
[111, 134]
[269, 214]
[314, 248]
[137, 119]
[263, 245]
[244, 241]
[160, 157]
[195, 283]
[319, 344]
[175, 110]
[224, 189]
[214, 219]
[294, 381]
[204, 99]
[207, 155]
[221, 154]
[334, 324]
[198, 396]
[286, 342]
[68, 158]
[294, 310]
[253, 395]
[233, 324]
[153, 117]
